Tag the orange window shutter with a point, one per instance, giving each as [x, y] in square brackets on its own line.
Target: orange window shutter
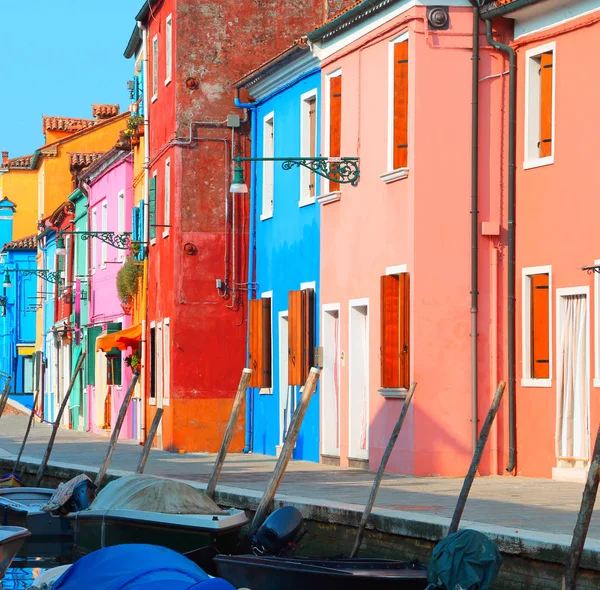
[256, 339]
[266, 342]
[335, 123]
[404, 330]
[295, 338]
[540, 326]
[400, 150]
[390, 308]
[308, 331]
[546, 68]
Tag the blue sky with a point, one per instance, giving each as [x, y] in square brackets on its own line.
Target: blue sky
[57, 58]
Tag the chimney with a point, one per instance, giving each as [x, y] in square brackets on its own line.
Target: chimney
[4, 158]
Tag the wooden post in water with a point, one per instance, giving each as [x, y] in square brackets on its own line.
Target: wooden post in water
[287, 450]
[381, 471]
[583, 518]
[483, 436]
[149, 440]
[4, 396]
[237, 405]
[29, 424]
[117, 430]
[56, 424]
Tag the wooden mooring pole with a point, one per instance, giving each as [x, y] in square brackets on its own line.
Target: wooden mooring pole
[381, 471]
[483, 436]
[29, 425]
[4, 396]
[235, 410]
[286, 451]
[149, 440]
[583, 518]
[117, 430]
[56, 424]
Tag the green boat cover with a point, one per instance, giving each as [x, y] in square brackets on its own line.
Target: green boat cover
[466, 560]
[154, 494]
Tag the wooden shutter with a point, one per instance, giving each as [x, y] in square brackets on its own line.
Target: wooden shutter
[256, 338]
[404, 330]
[141, 231]
[92, 334]
[295, 338]
[308, 336]
[335, 123]
[266, 341]
[390, 309]
[400, 105]
[546, 68]
[540, 327]
[152, 207]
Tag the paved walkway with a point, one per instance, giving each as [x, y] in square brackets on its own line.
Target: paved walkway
[519, 503]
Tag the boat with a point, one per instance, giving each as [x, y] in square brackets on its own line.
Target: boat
[46, 579]
[10, 480]
[158, 511]
[11, 540]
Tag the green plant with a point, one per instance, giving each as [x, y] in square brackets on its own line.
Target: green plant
[135, 121]
[133, 360]
[128, 280]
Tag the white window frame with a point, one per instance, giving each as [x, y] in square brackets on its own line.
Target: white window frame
[154, 68]
[596, 382]
[326, 308]
[166, 361]
[305, 198]
[268, 168]
[325, 192]
[93, 243]
[167, 199]
[532, 107]
[168, 49]
[104, 227]
[526, 273]
[159, 342]
[269, 390]
[121, 218]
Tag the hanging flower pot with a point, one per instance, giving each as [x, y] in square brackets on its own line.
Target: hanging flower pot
[126, 307]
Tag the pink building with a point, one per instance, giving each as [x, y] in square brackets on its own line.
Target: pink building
[396, 249]
[108, 184]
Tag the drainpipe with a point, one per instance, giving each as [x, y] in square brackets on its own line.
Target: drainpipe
[251, 264]
[474, 224]
[512, 427]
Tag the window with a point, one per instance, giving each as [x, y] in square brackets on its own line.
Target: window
[167, 361]
[260, 342]
[268, 188]
[152, 207]
[169, 49]
[539, 106]
[398, 134]
[335, 123]
[308, 148]
[154, 68]
[536, 327]
[152, 364]
[167, 204]
[159, 363]
[395, 331]
[121, 218]
[301, 334]
[104, 228]
[94, 242]
[114, 358]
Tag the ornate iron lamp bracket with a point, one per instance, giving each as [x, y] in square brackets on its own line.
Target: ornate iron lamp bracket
[120, 240]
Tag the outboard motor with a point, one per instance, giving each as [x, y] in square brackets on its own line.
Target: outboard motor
[280, 532]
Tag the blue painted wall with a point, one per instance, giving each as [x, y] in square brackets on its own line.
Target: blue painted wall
[287, 254]
[49, 261]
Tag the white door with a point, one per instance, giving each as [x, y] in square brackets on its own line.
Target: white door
[359, 380]
[330, 382]
[573, 375]
[284, 389]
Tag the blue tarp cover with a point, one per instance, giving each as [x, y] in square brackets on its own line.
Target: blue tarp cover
[127, 567]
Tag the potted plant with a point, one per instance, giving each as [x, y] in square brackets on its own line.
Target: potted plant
[128, 282]
[136, 122]
[134, 361]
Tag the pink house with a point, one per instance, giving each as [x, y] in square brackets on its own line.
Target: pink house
[396, 249]
[109, 187]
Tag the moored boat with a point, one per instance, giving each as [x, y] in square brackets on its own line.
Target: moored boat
[11, 540]
[158, 511]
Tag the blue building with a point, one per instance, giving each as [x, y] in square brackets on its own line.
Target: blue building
[17, 308]
[284, 250]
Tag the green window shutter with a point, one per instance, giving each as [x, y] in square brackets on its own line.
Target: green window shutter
[92, 334]
[152, 207]
[113, 358]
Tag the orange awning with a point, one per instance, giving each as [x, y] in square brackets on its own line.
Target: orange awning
[121, 339]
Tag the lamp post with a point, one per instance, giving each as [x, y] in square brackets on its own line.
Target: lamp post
[47, 275]
[121, 240]
[341, 170]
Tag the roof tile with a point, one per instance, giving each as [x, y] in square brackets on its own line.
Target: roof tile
[66, 124]
[105, 111]
[83, 159]
[27, 243]
[20, 162]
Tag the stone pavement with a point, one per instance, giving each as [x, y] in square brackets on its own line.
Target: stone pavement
[512, 502]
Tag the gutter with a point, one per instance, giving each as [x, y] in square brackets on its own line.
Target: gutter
[495, 10]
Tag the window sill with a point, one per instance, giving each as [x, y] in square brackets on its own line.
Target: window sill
[329, 198]
[265, 391]
[536, 382]
[306, 201]
[538, 162]
[596, 382]
[165, 234]
[167, 81]
[392, 392]
[154, 98]
[166, 401]
[394, 175]
[265, 216]
[153, 241]
[152, 401]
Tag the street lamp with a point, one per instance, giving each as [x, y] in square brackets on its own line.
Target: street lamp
[341, 170]
[47, 275]
[121, 240]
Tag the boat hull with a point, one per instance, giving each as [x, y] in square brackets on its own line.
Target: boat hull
[11, 540]
[275, 573]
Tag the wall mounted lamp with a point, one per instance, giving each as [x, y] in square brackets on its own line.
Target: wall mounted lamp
[47, 275]
[121, 240]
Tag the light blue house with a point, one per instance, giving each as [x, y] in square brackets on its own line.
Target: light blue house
[284, 250]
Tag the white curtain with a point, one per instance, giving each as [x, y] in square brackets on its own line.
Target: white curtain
[336, 377]
[572, 399]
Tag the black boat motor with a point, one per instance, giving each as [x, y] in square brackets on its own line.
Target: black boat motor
[280, 532]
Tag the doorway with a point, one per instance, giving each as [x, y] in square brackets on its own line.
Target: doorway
[359, 380]
[286, 392]
[330, 388]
